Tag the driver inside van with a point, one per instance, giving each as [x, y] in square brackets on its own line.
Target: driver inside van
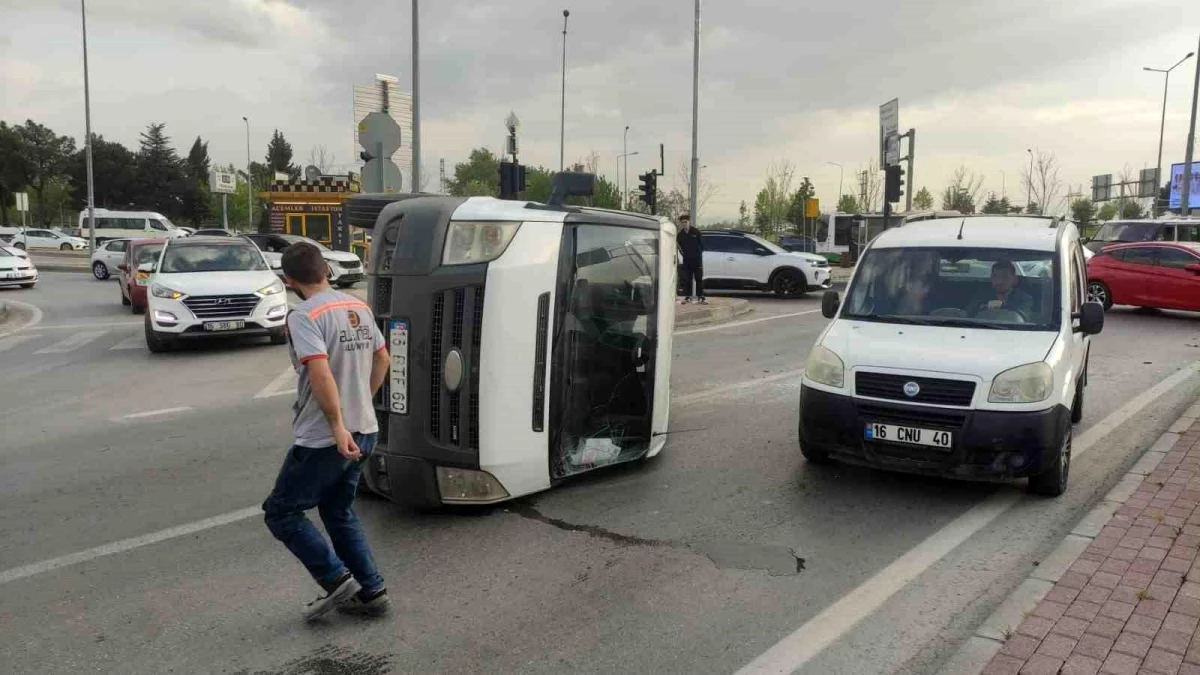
[1005, 294]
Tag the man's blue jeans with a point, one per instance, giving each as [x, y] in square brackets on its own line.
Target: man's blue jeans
[321, 478]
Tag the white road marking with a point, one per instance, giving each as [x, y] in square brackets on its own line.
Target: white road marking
[798, 648]
[153, 413]
[131, 342]
[72, 343]
[118, 324]
[14, 340]
[282, 385]
[745, 323]
[688, 399]
[128, 544]
[32, 309]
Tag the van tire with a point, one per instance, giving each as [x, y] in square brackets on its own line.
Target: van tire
[814, 454]
[1052, 481]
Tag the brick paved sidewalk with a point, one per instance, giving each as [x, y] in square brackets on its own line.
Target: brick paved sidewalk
[1131, 602]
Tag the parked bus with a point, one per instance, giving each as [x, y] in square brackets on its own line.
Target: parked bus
[842, 233]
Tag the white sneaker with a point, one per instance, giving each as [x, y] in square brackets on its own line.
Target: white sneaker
[343, 590]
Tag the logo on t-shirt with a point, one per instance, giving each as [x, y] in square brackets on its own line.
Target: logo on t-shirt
[359, 337]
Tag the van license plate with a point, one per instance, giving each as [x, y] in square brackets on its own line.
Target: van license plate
[398, 375]
[224, 325]
[911, 435]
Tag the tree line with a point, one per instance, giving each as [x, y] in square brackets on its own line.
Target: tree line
[52, 169]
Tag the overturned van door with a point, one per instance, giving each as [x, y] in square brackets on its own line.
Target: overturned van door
[529, 344]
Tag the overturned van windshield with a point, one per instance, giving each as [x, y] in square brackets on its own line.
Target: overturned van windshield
[972, 287]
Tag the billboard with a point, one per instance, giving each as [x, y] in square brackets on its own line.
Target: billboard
[222, 181]
[1177, 186]
[1102, 188]
[1148, 183]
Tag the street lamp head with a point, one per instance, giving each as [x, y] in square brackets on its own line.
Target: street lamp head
[566, 13]
[512, 122]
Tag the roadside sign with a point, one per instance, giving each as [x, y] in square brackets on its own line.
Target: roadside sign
[378, 128]
[812, 208]
[1148, 183]
[22, 201]
[222, 181]
[1176, 194]
[1102, 188]
[889, 128]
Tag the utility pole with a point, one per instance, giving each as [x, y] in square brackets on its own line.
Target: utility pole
[562, 124]
[912, 151]
[695, 217]
[442, 182]
[862, 192]
[1029, 184]
[1184, 206]
[87, 122]
[249, 182]
[1162, 125]
[416, 103]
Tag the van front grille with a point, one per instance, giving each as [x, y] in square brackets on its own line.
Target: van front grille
[456, 324]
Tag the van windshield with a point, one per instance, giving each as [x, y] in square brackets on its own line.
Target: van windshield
[1127, 232]
[1001, 289]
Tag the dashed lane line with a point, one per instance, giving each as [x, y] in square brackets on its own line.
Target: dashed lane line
[72, 343]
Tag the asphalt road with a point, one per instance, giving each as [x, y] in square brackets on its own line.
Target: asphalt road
[129, 486]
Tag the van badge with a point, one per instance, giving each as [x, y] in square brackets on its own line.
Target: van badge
[911, 389]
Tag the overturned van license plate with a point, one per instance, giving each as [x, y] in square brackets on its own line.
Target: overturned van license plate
[398, 372]
[892, 433]
[224, 325]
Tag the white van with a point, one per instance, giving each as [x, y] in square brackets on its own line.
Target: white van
[961, 350]
[129, 225]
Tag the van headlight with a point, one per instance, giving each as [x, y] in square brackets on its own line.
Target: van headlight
[824, 367]
[468, 243]
[1029, 383]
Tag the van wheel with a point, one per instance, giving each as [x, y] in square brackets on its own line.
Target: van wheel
[1077, 404]
[1097, 291]
[814, 454]
[1052, 481]
[789, 284]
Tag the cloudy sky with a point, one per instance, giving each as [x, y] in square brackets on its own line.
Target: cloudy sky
[980, 80]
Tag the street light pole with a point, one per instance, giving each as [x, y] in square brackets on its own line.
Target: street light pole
[249, 181]
[1162, 125]
[1184, 206]
[87, 122]
[692, 209]
[562, 124]
[625, 180]
[841, 171]
[415, 183]
[1029, 183]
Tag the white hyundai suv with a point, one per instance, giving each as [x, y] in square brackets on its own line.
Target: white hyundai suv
[736, 260]
[211, 286]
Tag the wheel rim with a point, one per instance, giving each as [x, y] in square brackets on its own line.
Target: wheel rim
[100, 271]
[788, 283]
[1064, 466]
[1097, 293]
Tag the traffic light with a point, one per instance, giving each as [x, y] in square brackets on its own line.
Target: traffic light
[512, 180]
[893, 182]
[649, 191]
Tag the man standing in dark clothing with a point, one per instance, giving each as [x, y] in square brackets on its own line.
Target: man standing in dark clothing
[691, 247]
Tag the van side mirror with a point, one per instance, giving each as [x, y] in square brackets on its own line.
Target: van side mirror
[831, 302]
[1194, 268]
[1091, 318]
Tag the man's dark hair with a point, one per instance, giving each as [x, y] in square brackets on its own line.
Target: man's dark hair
[685, 218]
[304, 263]
[1005, 265]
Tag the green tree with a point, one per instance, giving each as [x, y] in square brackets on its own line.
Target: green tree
[279, 156]
[795, 215]
[957, 199]
[13, 170]
[1107, 212]
[848, 204]
[1132, 210]
[197, 206]
[114, 176]
[1083, 212]
[743, 220]
[45, 161]
[161, 180]
[997, 206]
[478, 176]
[923, 200]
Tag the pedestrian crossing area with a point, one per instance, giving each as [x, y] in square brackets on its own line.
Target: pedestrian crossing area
[66, 342]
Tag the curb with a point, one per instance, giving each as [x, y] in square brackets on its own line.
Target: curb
[16, 316]
[714, 314]
[989, 637]
[61, 267]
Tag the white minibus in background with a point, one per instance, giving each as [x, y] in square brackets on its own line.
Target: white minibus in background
[129, 225]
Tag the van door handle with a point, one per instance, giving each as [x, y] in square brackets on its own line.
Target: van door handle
[730, 258]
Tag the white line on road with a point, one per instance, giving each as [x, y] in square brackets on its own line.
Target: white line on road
[745, 323]
[798, 648]
[32, 309]
[127, 544]
[688, 399]
[14, 340]
[131, 342]
[117, 324]
[284, 384]
[72, 343]
[152, 413]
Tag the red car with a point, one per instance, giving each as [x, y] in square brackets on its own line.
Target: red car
[133, 282]
[1161, 274]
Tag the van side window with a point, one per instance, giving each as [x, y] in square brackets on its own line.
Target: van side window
[1078, 278]
[1167, 233]
[157, 225]
[1188, 232]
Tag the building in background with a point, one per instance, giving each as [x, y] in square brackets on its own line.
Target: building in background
[369, 98]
